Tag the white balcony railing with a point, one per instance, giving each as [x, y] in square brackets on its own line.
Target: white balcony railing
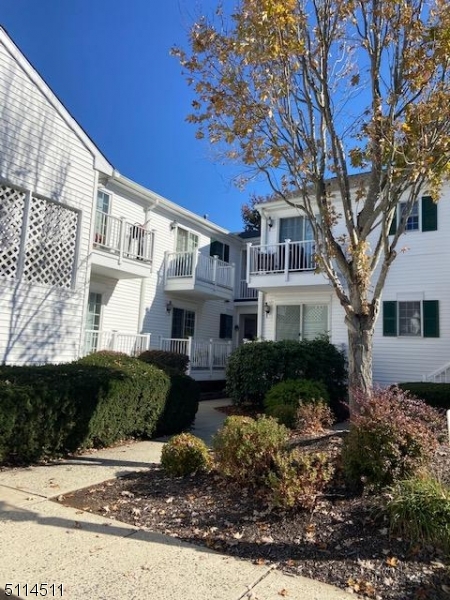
[125, 239]
[245, 292]
[119, 341]
[208, 269]
[280, 258]
[203, 354]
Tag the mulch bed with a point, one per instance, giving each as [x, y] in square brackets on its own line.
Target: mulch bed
[342, 542]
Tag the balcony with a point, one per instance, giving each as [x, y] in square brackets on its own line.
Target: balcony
[246, 293]
[118, 341]
[207, 358]
[121, 250]
[198, 276]
[279, 265]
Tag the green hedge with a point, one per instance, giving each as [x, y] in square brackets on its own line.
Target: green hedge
[181, 405]
[169, 362]
[254, 368]
[54, 409]
[434, 394]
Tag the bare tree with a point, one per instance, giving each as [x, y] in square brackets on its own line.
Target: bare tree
[307, 90]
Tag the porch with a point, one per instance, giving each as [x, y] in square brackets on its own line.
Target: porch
[198, 275]
[287, 263]
[207, 358]
[121, 249]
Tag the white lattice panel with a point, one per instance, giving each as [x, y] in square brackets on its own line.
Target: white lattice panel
[51, 244]
[12, 204]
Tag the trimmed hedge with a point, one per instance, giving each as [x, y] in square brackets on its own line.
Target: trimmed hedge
[54, 409]
[169, 362]
[434, 394]
[283, 400]
[181, 405]
[254, 368]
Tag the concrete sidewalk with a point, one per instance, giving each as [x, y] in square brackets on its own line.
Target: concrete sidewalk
[102, 559]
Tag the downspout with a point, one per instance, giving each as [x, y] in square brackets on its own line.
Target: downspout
[88, 263]
[143, 288]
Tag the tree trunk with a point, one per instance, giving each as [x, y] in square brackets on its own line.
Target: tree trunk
[360, 341]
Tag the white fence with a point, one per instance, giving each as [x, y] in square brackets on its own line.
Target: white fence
[441, 375]
[245, 292]
[120, 237]
[205, 355]
[118, 341]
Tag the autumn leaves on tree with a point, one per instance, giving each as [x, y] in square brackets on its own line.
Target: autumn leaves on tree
[312, 93]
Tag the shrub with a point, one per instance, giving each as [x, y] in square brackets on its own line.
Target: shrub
[180, 407]
[419, 509]
[54, 409]
[169, 362]
[185, 454]
[293, 392]
[297, 478]
[313, 417]
[393, 436]
[434, 394]
[284, 414]
[245, 448]
[253, 369]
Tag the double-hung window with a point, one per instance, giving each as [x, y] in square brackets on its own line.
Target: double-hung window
[411, 318]
[423, 216]
[219, 249]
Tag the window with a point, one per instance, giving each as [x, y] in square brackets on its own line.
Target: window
[186, 240]
[423, 216]
[305, 321]
[226, 327]
[411, 319]
[296, 229]
[220, 249]
[101, 218]
[183, 323]
[412, 223]
[93, 318]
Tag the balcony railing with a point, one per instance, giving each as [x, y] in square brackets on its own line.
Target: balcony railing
[208, 269]
[280, 258]
[203, 354]
[441, 375]
[245, 292]
[119, 341]
[118, 236]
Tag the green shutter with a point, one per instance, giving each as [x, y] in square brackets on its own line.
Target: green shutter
[226, 327]
[429, 214]
[431, 318]
[393, 227]
[226, 253]
[390, 318]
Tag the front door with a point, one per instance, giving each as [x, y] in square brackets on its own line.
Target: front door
[183, 323]
[249, 327]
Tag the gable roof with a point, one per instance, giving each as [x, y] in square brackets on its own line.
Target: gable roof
[100, 161]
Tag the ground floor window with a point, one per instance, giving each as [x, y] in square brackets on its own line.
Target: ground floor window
[304, 321]
[411, 318]
[93, 318]
[183, 323]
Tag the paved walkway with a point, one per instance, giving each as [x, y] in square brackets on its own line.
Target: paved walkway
[101, 559]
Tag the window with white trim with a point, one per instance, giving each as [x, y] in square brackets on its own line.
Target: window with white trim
[186, 240]
[418, 318]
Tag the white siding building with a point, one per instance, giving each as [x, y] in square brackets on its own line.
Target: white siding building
[91, 260]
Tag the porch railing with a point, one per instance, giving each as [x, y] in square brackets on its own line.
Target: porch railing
[441, 375]
[207, 355]
[125, 239]
[119, 341]
[245, 292]
[279, 258]
[209, 269]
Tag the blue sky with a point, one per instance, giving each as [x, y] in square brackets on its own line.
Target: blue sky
[108, 61]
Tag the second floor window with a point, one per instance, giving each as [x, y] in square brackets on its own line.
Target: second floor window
[220, 249]
[296, 229]
[186, 240]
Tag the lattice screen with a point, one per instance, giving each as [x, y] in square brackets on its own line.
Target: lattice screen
[315, 320]
[51, 244]
[12, 204]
